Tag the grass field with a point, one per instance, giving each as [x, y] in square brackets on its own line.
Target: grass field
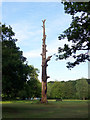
[53, 109]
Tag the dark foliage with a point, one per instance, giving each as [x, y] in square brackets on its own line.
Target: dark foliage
[78, 34]
[15, 71]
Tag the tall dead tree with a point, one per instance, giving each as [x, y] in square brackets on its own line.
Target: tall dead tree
[44, 66]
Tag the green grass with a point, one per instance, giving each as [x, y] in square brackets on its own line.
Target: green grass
[53, 109]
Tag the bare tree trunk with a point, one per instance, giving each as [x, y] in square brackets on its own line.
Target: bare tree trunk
[44, 66]
[44, 92]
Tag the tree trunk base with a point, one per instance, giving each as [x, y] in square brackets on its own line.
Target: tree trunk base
[42, 101]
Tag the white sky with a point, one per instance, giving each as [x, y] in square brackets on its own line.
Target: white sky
[26, 20]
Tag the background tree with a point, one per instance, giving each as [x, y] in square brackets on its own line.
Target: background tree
[82, 89]
[33, 83]
[70, 90]
[89, 91]
[32, 87]
[15, 72]
[78, 33]
[49, 89]
[54, 90]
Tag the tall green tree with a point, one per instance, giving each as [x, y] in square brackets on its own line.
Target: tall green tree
[70, 90]
[78, 34]
[89, 91]
[82, 89]
[32, 87]
[55, 90]
[14, 70]
[49, 89]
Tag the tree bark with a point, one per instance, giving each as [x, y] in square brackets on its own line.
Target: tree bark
[44, 66]
[44, 74]
[44, 92]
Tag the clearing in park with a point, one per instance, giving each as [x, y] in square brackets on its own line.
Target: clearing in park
[53, 109]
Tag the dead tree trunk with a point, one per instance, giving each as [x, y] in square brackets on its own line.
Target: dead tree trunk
[44, 66]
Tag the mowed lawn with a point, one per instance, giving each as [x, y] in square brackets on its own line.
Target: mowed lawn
[53, 109]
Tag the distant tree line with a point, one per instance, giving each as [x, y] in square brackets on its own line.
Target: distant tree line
[18, 78]
[78, 89]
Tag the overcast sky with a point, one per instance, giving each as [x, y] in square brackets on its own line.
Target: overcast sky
[26, 20]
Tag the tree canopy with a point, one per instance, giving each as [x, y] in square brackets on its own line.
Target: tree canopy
[77, 35]
[82, 89]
